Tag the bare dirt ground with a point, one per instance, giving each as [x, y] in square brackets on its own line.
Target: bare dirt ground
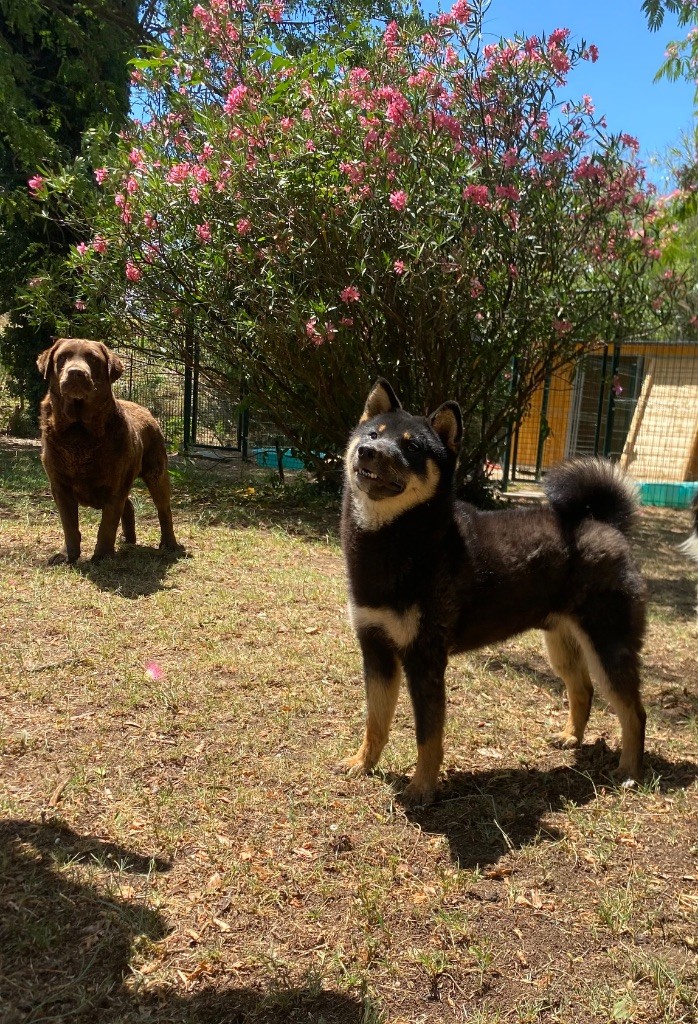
[176, 847]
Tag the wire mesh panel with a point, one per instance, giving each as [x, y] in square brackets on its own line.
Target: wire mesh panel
[159, 386]
[636, 403]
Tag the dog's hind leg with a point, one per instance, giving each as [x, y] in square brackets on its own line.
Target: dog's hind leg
[159, 487]
[569, 663]
[382, 676]
[614, 660]
[128, 522]
[425, 666]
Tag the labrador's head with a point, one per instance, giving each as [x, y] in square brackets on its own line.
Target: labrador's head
[79, 368]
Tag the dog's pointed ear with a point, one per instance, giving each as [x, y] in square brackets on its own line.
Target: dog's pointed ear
[44, 360]
[116, 367]
[447, 421]
[382, 399]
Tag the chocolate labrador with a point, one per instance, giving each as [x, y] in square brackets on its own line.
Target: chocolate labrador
[93, 446]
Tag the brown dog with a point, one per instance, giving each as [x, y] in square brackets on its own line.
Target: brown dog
[93, 446]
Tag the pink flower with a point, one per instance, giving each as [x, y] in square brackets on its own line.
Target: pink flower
[36, 183]
[479, 195]
[476, 288]
[508, 192]
[286, 124]
[194, 194]
[562, 327]
[132, 272]
[154, 671]
[350, 294]
[310, 146]
[99, 244]
[398, 200]
[131, 185]
[390, 36]
[149, 220]
[399, 267]
[244, 226]
[101, 175]
[82, 248]
[460, 11]
[204, 231]
[80, 305]
[347, 321]
[235, 98]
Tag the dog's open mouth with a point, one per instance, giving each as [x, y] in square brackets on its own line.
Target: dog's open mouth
[376, 485]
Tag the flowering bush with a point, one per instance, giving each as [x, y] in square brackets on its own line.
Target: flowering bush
[433, 216]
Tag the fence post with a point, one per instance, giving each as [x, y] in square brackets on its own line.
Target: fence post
[188, 358]
[511, 427]
[543, 429]
[599, 407]
[195, 391]
[611, 401]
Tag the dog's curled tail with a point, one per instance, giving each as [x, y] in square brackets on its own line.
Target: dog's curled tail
[592, 488]
[690, 545]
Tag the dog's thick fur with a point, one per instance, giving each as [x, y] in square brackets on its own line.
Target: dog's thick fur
[93, 446]
[430, 576]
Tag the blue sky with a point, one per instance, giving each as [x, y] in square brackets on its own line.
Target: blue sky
[621, 82]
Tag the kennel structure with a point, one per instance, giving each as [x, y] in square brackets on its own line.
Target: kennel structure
[635, 402]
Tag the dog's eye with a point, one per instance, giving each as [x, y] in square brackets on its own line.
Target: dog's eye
[373, 435]
[413, 446]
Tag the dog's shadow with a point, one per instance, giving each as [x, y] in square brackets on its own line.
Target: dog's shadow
[70, 929]
[485, 814]
[134, 571]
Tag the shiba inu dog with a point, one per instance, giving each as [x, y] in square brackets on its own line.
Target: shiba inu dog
[430, 576]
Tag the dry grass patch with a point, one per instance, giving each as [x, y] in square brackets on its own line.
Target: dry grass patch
[179, 848]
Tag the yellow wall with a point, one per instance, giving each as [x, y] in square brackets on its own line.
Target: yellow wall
[557, 416]
[560, 404]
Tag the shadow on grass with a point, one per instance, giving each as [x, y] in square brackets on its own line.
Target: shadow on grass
[66, 947]
[485, 814]
[134, 571]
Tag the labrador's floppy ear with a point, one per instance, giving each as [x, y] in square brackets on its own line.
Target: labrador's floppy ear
[447, 421]
[381, 399]
[44, 360]
[114, 364]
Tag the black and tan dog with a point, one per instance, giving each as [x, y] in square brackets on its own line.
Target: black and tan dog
[93, 446]
[430, 576]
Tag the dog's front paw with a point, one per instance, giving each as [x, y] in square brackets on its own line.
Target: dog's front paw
[63, 558]
[419, 794]
[355, 765]
[565, 740]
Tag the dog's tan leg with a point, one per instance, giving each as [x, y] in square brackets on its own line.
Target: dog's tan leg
[159, 487]
[68, 512]
[568, 661]
[615, 667]
[425, 666]
[382, 675]
[128, 522]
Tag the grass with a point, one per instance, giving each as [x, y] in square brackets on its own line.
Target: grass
[180, 849]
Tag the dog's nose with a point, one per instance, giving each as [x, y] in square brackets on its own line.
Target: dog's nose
[77, 372]
[366, 451]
